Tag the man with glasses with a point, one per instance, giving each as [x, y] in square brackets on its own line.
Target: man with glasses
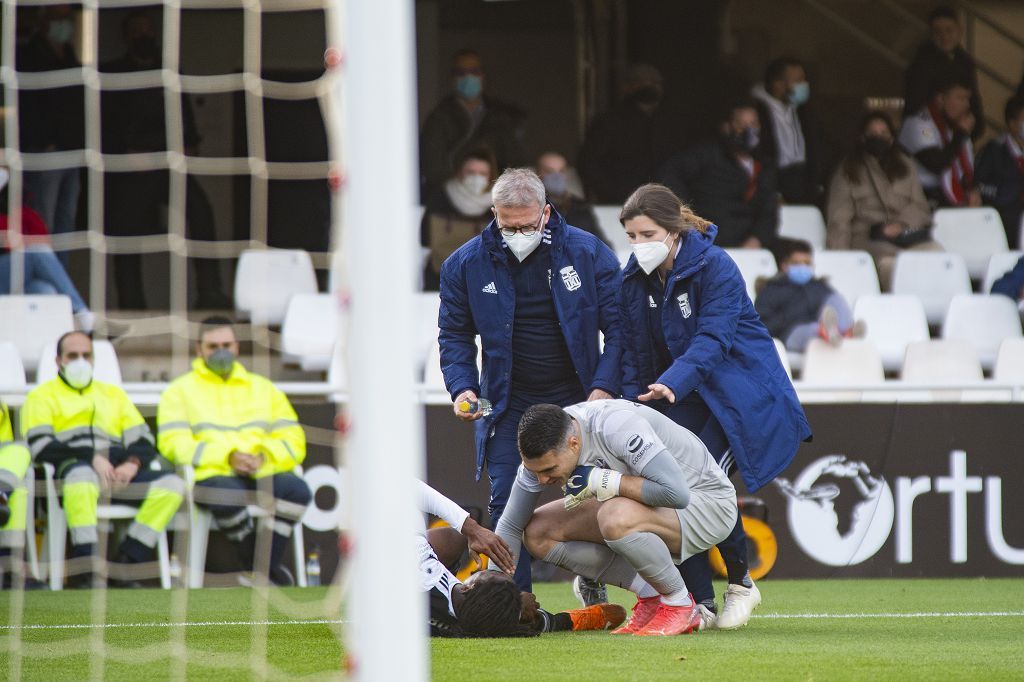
[539, 293]
[468, 119]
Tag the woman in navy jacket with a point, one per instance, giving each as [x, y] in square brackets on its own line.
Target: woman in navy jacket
[694, 347]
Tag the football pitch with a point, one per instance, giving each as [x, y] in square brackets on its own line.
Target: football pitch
[804, 629]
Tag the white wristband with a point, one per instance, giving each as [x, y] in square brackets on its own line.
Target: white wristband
[604, 483]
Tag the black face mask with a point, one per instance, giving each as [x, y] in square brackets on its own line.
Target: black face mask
[877, 147]
[144, 48]
[649, 95]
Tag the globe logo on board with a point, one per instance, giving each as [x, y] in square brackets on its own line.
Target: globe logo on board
[839, 514]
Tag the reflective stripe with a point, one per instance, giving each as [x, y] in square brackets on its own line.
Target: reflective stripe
[35, 431]
[282, 528]
[283, 423]
[82, 474]
[208, 426]
[290, 451]
[170, 483]
[84, 535]
[290, 510]
[10, 478]
[39, 444]
[143, 534]
[238, 535]
[12, 538]
[198, 454]
[167, 426]
[134, 433]
[242, 517]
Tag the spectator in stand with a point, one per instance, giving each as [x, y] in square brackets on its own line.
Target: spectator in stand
[625, 146]
[940, 60]
[52, 119]
[456, 213]
[43, 271]
[1012, 284]
[133, 123]
[796, 306]
[465, 120]
[1000, 171]
[729, 181]
[791, 133]
[875, 202]
[939, 138]
[565, 193]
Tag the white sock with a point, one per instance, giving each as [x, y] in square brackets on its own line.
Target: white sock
[641, 588]
[680, 598]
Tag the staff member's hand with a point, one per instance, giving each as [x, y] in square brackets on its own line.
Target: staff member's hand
[470, 397]
[124, 473]
[245, 464]
[598, 394]
[658, 391]
[483, 541]
[104, 469]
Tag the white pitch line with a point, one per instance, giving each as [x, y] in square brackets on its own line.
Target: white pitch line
[923, 614]
[195, 624]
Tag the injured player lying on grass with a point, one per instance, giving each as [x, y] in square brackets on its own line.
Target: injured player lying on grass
[488, 604]
[642, 494]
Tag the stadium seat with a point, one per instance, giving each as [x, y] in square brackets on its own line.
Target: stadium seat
[974, 233]
[267, 279]
[433, 378]
[30, 322]
[998, 265]
[892, 321]
[428, 305]
[933, 277]
[753, 263]
[12, 371]
[614, 233]
[784, 357]
[802, 222]
[851, 273]
[854, 361]
[984, 321]
[941, 362]
[201, 522]
[105, 364]
[1010, 361]
[55, 542]
[337, 373]
[309, 331]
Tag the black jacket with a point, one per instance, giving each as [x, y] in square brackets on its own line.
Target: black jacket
[931, 67]
[1002, 186]
[50, 117]
[710, 179]
[783, 304]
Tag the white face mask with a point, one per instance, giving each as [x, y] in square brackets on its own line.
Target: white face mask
[522, 245]
[649, 255]
[475, 183]
[78, 373]
[5, 175]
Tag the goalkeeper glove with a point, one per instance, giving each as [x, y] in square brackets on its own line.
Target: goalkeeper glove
[586, 482]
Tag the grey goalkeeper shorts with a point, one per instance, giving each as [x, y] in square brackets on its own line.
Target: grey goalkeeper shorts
[705, 522]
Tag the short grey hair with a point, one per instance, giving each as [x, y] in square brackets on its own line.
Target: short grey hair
[518, 188]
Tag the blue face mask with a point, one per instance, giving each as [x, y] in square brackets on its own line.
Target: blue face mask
[800, 274]
[61, 31]
[469, 87]
[800, 93]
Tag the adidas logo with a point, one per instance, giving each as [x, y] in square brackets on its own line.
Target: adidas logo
[490, 289]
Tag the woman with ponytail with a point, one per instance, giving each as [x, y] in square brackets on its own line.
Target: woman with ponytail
[694, 348]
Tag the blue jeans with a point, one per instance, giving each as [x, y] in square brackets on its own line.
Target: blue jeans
[44, 274]
[54, 195]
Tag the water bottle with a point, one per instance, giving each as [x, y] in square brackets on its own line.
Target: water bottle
[481, 405]
[313, 568]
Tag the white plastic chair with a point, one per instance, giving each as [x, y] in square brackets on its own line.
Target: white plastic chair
[433, 378]
[780, 348]
[201, 522]
[614, 233]
[939, 363]
[267, 279]
[802, 222]
[1010, 361]
[106, 367]
[974, 233]
[310, 330]
[851, 273]
[933, 277]
[892, 321]
[854, 361]
[753, 263]
[55, 542]
[30, 322]
[998, 265]
[984, 321]
[12, 371]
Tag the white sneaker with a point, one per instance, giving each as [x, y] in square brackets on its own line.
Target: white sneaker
[740, 602]
[589, 592]
[708, 618]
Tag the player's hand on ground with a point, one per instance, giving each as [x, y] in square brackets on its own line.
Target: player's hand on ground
[466, 397]
[530, 607]
[598, 394]
[104, 469]
[658, 392]
[483, 541]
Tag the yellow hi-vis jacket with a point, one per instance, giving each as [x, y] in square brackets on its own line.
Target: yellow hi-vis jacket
[203, 418]
[63, 423]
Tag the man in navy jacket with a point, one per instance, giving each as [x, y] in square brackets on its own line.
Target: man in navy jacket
[538, 292]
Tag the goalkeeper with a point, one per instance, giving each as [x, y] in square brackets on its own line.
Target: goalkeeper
[488, 604]
[642, 494]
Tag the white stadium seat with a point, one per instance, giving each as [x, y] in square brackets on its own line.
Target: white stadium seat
[1010, 361]
[783, 357]
[974, 233]
[851, 273]
[998, 265]
[310, 330]
[854, 361]
[892, 321]
[933, 277]
[753, 263]
[30, 322]
[267, 279]
[433, 379]
[428, 305]
[937, 363]
[12, 371]
[802, 222]
[106, 367]
[984, 321]
[614, 233]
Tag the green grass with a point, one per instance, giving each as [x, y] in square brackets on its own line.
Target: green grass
[990, 648]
